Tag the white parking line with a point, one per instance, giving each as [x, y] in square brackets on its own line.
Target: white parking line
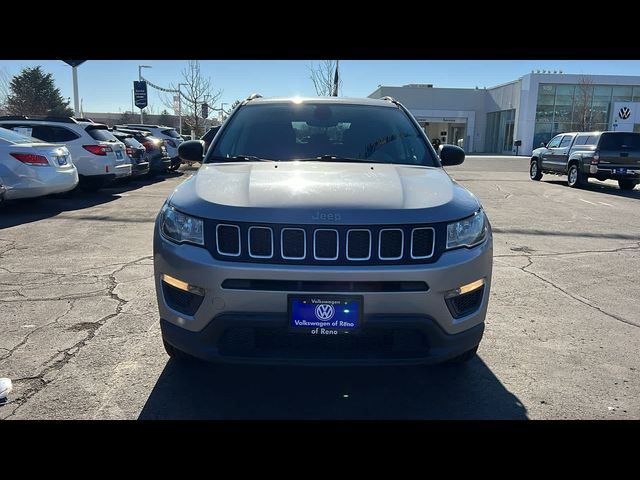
[587, 201]
[605, 203]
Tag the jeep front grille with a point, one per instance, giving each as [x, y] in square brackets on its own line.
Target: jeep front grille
[324, 245]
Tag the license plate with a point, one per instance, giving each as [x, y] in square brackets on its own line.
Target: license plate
[119, 155]
[325, 314]
[621, 171]
[62, 160]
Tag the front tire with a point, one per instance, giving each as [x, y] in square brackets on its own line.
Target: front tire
[575, 178]
[534, 170]
[627, 184]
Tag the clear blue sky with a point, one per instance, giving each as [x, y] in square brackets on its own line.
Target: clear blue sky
[105, 85]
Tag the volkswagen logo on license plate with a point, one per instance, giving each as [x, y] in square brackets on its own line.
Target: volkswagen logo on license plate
[325, 311]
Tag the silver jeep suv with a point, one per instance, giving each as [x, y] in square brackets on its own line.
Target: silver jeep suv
[322, 231]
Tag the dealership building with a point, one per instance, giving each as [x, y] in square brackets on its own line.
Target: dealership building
[524, 112]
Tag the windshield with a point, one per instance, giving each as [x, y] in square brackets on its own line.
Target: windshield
[132, 142]
[289, 131]
[14, 137]
[102, 134]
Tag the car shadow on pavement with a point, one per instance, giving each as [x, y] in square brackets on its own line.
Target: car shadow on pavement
[203, 391]
[602, 187]
[18, 212]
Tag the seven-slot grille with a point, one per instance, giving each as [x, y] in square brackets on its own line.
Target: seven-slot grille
[324, 245]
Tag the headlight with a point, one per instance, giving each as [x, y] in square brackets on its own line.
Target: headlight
[468, 232]
[179, 227]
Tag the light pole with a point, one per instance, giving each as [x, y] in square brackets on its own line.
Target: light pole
[75, 91]
[140, 67]
[180, 106]
[74, 68]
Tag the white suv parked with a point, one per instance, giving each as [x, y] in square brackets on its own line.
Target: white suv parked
[168, 135]
[97, 154]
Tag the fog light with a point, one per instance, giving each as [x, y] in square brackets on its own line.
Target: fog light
[466, 299]
[593, 169]
[179, 284]
[469, 287]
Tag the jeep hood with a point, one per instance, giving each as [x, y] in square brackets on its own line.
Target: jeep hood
[319, 192]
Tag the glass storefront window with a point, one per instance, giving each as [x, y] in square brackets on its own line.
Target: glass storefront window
[542, 133]
[563, 113]
[565, 90]
[567, 108]
[544, 113]
[602, 91]
[564, 100]
[622, 94]
[546, 94]
[562, 127]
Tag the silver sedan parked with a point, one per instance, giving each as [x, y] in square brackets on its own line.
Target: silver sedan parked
[30, 168]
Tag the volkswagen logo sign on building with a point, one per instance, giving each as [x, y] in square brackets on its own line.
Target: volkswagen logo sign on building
[325, 311]
[624, 113]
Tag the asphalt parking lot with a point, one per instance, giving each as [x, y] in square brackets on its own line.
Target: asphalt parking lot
[79, 333]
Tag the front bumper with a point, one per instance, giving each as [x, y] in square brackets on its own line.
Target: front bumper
[220, 342]
[256, 314]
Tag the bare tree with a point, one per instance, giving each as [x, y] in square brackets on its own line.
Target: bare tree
[582, 110]
[196, 89]
[150, 110]
[323, 76]
[5, 81]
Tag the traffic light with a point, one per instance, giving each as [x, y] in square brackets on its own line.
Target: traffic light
[205, 110]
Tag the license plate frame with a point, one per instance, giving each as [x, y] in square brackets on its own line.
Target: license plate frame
[620, 171]
[305, 308]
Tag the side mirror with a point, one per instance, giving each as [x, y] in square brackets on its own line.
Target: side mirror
[191, 151]
[451, 155]
[542, 144]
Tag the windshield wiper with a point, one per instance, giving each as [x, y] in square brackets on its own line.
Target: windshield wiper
[245, 158]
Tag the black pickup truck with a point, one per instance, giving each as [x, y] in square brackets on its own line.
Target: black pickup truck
[584, 155]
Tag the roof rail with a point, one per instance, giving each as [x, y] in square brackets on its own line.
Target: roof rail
[40, 118]
[83, 119]
[125, 129]
[121, 133]
[390, 99]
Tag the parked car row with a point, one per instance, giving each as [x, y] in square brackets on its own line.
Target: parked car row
[46, 155]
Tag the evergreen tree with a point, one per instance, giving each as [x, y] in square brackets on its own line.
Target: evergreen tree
[33, 92]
